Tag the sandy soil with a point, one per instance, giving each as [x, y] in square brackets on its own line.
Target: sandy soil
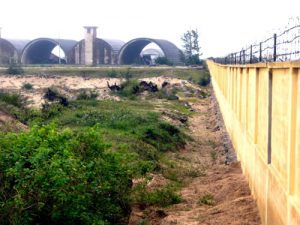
[9, 124]
[233, 203]
[70, 86]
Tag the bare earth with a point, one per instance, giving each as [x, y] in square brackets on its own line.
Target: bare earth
[70, 86]
[233, 203]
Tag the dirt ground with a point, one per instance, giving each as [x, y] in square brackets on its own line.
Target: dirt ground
[69, 86]
[232, 202]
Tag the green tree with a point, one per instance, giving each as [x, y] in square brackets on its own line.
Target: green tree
[191, 47]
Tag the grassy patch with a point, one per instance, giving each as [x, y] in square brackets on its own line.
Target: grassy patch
[12, 99]
[162, 197]
[207, 199]
[27, 86]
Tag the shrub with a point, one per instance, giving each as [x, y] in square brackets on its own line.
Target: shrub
[27, 86]
[204, 80]
[168, 134]
[15, 69]
[130, 88]
[163, 61]
[193, 60]
[126, 74]
[162, 197]
[87, 95]
[207, 199]
[61, 177]
[12, 99]
[167, 94]
[143, 222]
[53, 95]
[51, 110]
[112, 73]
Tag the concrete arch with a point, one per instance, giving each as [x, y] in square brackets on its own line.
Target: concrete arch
[8, 52]
[132, 49]
[38, 51]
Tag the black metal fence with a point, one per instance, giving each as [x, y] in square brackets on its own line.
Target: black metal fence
[281, 46]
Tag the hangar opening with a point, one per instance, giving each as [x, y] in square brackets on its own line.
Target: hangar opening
[48, 51]
[150, 54]
[132, 51]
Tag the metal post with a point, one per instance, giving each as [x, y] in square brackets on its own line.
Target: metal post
[244, 57]
[260, 51]
[270, 117]
[234, 58]
[240, 62]
[59, 61]
[275, 46]
[250, 54]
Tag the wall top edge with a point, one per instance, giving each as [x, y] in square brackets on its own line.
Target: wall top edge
[292, 64]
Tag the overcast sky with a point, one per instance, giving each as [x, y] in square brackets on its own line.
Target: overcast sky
[224, 25]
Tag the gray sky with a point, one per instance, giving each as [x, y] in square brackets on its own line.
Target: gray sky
[224, 26]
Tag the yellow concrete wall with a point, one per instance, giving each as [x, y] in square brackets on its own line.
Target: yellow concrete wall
[260, 104]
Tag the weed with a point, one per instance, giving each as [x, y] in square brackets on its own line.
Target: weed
[162, 197]
[214, 156]
[195, 172]
[112, 73]
[204, 80]
[87, 95]
[143, 222]
[212, 143]
[163, 61]
[130, 88]
[126, 74]
[15, 69]
[27, 86]
[206, 199]
[167, 94]
[12, 99]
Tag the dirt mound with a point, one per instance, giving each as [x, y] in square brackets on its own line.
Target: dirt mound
[10, 124]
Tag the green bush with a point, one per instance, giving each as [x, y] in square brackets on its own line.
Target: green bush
[167, 94]
[204, 80]
[87, 95]
[50, 110]
[12, 99]
[130, 88]
[15, 69]
[206, 199]
[168, 134]
[126, 74]
[162, 197]
[61, 177]
[27, 86]
[112, 73]
[163, 61]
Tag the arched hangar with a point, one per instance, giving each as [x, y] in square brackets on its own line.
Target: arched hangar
[39, 51]
[11, 50]
[131, 51]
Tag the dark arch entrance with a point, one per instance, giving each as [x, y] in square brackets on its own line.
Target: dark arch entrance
[39, 51]
[130, 52]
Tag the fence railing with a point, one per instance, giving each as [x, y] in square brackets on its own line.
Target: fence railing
[281, 46]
